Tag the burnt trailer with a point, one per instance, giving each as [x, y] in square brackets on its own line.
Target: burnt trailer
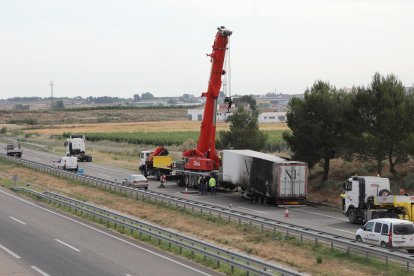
[264, 177]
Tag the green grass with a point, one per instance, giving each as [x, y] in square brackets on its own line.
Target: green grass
[274, 138]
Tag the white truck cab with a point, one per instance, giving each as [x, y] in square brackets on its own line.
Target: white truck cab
[359, 197]
[143, 156]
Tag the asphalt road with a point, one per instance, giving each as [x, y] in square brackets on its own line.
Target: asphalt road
[318, 218]
[36, 240]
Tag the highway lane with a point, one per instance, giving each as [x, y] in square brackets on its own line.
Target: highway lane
[47, 242]
[318, 218]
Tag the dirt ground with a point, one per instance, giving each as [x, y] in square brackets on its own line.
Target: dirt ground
[238, 238]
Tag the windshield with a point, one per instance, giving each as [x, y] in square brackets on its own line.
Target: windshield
[403, 229]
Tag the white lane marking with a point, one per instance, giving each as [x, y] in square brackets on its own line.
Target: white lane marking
[127, 274]
[322, 215]
[107, 234]
[10, 252]
[250, 210]
[15, 219]
[68, 245]
[341, 230]
[104, 175]
[39, 270]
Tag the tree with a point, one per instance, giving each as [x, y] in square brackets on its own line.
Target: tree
[137, 97]
[381, 119]
[244, 132]
[316, 123]
[246, 101]
[147, 96]
[59, 105]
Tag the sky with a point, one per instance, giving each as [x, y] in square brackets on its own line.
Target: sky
[124, 47]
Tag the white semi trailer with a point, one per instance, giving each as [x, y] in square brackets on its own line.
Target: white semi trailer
[264, 177]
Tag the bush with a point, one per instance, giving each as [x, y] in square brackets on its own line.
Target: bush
[24, 121]
[318, 259]
[408, 182]
[3, 130]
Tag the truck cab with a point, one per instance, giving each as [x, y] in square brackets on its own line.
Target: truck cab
[14, 150]
[359, 195]
[143, 156]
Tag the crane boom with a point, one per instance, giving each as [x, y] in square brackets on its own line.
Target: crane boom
[205, 157]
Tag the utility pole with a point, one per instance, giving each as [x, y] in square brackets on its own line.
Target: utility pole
[51, 92]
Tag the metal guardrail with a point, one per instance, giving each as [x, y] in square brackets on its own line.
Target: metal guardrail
[302, 233]
[195, 246]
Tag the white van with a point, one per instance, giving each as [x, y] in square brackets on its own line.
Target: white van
[389, 233]
[66, 163]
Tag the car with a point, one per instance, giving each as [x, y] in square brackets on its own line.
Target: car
[136, 181]
[388, 233]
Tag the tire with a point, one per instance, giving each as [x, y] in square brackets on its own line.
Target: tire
[384, 245]
[384, 192]
[352, 216]
[358, 239]
[411, 251]
[375, 216]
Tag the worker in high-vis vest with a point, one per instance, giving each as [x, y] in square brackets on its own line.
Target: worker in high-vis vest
[212, 185]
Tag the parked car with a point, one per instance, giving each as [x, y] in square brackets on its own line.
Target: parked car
[388, 233]
[136, 181]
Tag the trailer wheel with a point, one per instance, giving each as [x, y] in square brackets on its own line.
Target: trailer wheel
[352, 216]
[375, 215]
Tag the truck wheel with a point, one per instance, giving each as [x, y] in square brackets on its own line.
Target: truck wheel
[358, 239]
[384, 192]
[352, 216]
[384, 245]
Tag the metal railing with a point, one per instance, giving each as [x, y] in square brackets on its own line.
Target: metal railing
[406, 261]
[182, 242]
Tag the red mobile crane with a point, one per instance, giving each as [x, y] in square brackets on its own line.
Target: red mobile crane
[204, 157]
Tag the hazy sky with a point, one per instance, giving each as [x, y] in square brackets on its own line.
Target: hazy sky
[120, 48]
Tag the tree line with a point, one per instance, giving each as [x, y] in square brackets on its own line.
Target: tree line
[370, 123]
[373, 123]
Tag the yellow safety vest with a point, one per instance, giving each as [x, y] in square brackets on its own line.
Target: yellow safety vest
[212, 182]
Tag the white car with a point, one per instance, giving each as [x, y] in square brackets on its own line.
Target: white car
[136, 181]
[388, 233]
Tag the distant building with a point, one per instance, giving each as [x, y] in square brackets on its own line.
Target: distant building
[272, 117]
[197, 114]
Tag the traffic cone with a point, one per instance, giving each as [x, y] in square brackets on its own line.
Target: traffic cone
[286, 212]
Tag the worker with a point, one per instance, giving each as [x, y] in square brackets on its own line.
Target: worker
[163, 178]
[202, 185]
[212, 185]
[343, 195]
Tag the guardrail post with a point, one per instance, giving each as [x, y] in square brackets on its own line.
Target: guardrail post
[408, 266]
[386, 261]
